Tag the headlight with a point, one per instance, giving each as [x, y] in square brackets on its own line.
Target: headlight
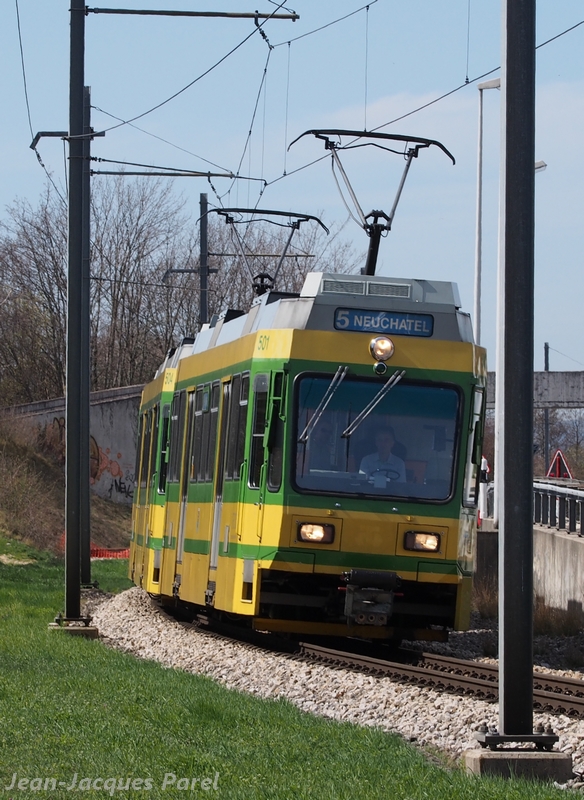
[381, 348]
[416, 540]
[311, 532]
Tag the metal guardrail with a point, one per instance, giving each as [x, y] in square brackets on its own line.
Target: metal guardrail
[558, 507]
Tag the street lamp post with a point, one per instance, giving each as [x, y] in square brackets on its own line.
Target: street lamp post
[493, 84]
[539, 166]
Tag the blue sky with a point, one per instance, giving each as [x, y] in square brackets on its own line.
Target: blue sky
[364, 71]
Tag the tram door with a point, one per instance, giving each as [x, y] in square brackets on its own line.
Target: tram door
[147, 463]
[219, 482]
[185, 475]
[257, 456]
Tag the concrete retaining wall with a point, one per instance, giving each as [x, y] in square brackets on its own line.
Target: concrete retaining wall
[558, 566]
[113, 426]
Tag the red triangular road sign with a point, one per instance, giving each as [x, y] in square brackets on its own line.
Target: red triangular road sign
[559, 467]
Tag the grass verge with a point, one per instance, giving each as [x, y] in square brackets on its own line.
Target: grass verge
[71, 707]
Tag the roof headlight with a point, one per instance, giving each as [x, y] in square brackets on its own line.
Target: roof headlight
[426, 542]
[381, 348]
[315, 532]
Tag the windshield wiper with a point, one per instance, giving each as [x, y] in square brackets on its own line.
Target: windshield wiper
[327, 397]
[395, 378]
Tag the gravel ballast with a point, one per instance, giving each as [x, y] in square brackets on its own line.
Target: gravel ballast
[132, 622]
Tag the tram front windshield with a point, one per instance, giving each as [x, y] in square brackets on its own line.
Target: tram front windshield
[404, 447]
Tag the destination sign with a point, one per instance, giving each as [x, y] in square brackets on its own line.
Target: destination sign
[354, 319]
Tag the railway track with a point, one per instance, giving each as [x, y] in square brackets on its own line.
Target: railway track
[551, 693]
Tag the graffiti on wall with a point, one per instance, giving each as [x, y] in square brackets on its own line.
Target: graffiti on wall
[123, 486]
[101, 463]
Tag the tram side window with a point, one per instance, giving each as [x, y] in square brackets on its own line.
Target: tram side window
[233, 421]
[256, 458]
[214, 415]
[276, 450]
[473, 457]
[152, 466]
[237, 421]
[243, 402]
[196, 454]
[176, 436]
[205, 434]
[188, 449]
[164, 442]
[139, 447]
[146, 449]
[276, 434]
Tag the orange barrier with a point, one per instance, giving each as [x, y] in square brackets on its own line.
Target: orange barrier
[100, 552]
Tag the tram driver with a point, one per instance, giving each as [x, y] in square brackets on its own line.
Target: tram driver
[383, 461]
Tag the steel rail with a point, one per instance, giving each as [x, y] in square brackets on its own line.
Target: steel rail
[551, 692]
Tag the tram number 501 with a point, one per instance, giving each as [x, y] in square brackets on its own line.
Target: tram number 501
[263, 342]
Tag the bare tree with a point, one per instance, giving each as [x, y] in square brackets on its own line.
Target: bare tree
[140, 233]
[572, 443]
[557, 434]
[33, 252]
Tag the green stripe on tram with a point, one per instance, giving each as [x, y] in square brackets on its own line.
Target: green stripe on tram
[328, 558]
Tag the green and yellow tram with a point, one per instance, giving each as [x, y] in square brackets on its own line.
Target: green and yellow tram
[312, 465]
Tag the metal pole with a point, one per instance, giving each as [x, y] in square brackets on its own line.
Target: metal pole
[546, 413]
[516, 523]
[204, 261]
[375, 231]
[499, 344]
[84, 491]
[479, 235]
[494, 84]
[74, 310]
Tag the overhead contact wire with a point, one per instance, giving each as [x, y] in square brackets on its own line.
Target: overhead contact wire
[27, 102]
[161, 139]
[258, 96]
[565, 356]
[473, 80]
[425, 105]
[197, 79]
[328, 25]
[23, 69]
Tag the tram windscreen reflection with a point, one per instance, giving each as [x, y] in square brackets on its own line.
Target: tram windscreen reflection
[405, 447]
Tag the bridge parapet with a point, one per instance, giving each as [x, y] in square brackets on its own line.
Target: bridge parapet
[550, 390]
[559, 505]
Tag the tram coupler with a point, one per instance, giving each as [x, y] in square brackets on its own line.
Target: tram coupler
[369, 596]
